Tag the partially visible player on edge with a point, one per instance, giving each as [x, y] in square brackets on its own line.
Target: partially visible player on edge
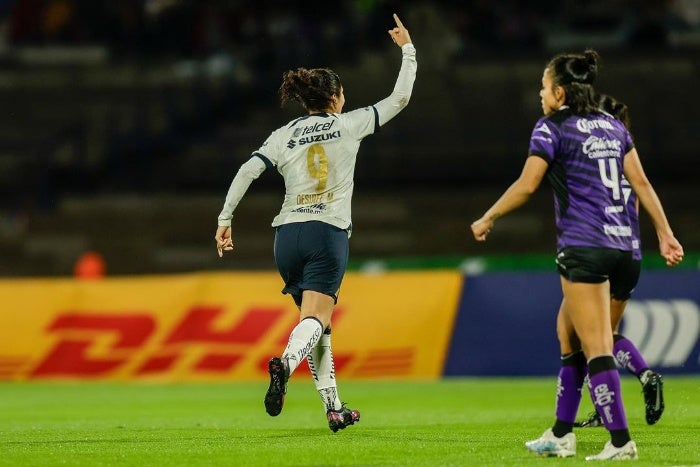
[584, 153]
[316, 156]
[624, 350]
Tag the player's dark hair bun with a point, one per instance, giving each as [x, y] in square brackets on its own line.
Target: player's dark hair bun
[576, 73]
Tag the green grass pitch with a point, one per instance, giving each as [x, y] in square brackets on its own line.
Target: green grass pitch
[460, 422]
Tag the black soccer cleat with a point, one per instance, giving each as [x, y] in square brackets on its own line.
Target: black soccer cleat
[339, 419]
[653, 390]
[274, 398]
[592, 421]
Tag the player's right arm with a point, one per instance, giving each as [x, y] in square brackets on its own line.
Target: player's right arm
[248, 172]
[515, 196]
[389, 107]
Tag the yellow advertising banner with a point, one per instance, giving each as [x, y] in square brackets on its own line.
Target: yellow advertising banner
[218, 326]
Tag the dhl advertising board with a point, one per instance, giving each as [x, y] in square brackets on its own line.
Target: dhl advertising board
[218, 326]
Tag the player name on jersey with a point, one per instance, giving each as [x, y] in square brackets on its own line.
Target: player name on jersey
[310, 198]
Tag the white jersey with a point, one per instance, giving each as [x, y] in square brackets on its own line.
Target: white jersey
[316, 156]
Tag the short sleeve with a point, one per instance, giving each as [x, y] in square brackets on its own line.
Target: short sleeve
[361, 122]
[629, 142]
[543, 140]
[270, 152]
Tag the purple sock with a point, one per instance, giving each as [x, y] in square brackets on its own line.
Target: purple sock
[569, 386]
[604, 388]
[628, 356]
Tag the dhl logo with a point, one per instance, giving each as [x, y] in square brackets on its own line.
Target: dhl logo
[132, 345]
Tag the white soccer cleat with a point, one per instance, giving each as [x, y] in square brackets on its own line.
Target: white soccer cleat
[611, 453]
[549, 445]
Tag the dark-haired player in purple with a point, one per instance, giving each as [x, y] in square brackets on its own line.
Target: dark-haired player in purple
[624, 350]
[584, 152]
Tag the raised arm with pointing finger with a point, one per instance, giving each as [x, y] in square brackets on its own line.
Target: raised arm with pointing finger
[320, 92]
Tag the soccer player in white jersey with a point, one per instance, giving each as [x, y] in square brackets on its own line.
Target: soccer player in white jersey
[316, 156]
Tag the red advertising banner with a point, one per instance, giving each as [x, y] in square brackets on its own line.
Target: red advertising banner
[217, 326]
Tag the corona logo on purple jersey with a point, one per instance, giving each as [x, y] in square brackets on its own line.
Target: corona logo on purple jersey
[585, 126]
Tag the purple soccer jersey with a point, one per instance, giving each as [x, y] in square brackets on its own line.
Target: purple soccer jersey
[585, 156]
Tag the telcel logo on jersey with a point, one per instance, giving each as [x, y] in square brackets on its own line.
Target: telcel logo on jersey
[305, 130]
[301, 131]
[313, 139]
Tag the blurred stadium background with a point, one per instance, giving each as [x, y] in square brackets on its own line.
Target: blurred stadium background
[122, 125]
[123, 122]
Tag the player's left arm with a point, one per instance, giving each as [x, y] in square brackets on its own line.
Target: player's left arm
[669, 246]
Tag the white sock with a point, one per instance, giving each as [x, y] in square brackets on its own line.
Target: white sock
[303, 338]
[323, 371]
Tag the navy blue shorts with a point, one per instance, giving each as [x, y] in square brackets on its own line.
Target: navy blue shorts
[311, 256]
[595, 265]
